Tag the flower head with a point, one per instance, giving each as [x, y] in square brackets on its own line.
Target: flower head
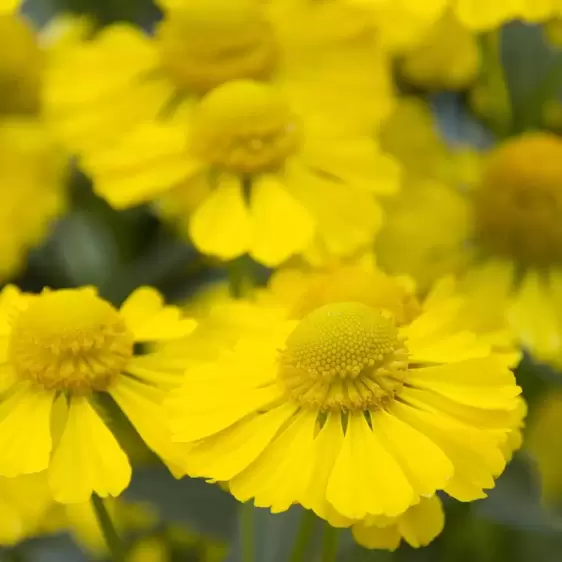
[495, 226]
[61, 350]
[355, 401]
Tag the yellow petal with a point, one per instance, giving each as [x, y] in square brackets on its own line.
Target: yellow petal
[366, 478]
[142, 404]
[150, 320]
[534, 319]
[25, 431]
[476, 456]
[422, 522]
[327, 447]
[148, 161]
[226, 454]
[426, 466]
[346, 218]
[281, 473]
[281, 226]
[221, 225]
[373, 537]
[88, 458]
[483, 383]
[198, 412]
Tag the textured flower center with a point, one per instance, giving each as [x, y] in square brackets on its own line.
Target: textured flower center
[245, 127]
[209, 42]
[344, 356]
[70, 340]
[518, 207]
[21, 64]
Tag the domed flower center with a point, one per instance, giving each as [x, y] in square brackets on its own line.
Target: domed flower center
[70, 340]
[518, 207]
[208, 42]
[245, 127]
[21, 65]
[344, 356]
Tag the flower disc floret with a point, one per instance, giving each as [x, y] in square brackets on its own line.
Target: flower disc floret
[208, 42]
[70, 340]
[344, 355]
[519, 203]
[245, 127]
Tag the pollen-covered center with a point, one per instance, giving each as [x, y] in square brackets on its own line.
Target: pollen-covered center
[346, 356]
[21, 66]
[205, 43]
[518, 206]
[245, 127]
[70, 340]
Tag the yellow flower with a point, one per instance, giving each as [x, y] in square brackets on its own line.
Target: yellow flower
[353, 399]
[284, 166]
[418, 527]
[499, 231]
[32, 167]
[61, 349]
[446, 58]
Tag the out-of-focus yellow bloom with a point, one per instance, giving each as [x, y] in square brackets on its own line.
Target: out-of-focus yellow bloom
[32, 166]
[61, 349]
[505, 240]
[446, 58]
[305, 408]
[284, 167]
[24, 500]
[250, 175]
[32, 169]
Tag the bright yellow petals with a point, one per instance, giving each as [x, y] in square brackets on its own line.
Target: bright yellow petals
[418, 527]
[114, 63]
[21, 66]
[31, 169]
[62, 348]
[353, 408]
[205, 43]
[518, 203]
[447, 58]
[88, 459]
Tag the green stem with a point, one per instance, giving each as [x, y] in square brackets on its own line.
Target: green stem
[330, 544]
[114, 543]
[303, 537]
[247, 532]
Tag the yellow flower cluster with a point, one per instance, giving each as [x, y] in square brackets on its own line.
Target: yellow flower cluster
[373, 373]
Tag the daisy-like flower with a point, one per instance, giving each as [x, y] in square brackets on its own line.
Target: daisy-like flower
[353, 399]
[61, 349]
[270, 168]
[32, 167]
[504, 242]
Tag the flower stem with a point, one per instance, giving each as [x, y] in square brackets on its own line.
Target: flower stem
[247, 531]
[303, 537]
[330, 544]
[114, 543]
